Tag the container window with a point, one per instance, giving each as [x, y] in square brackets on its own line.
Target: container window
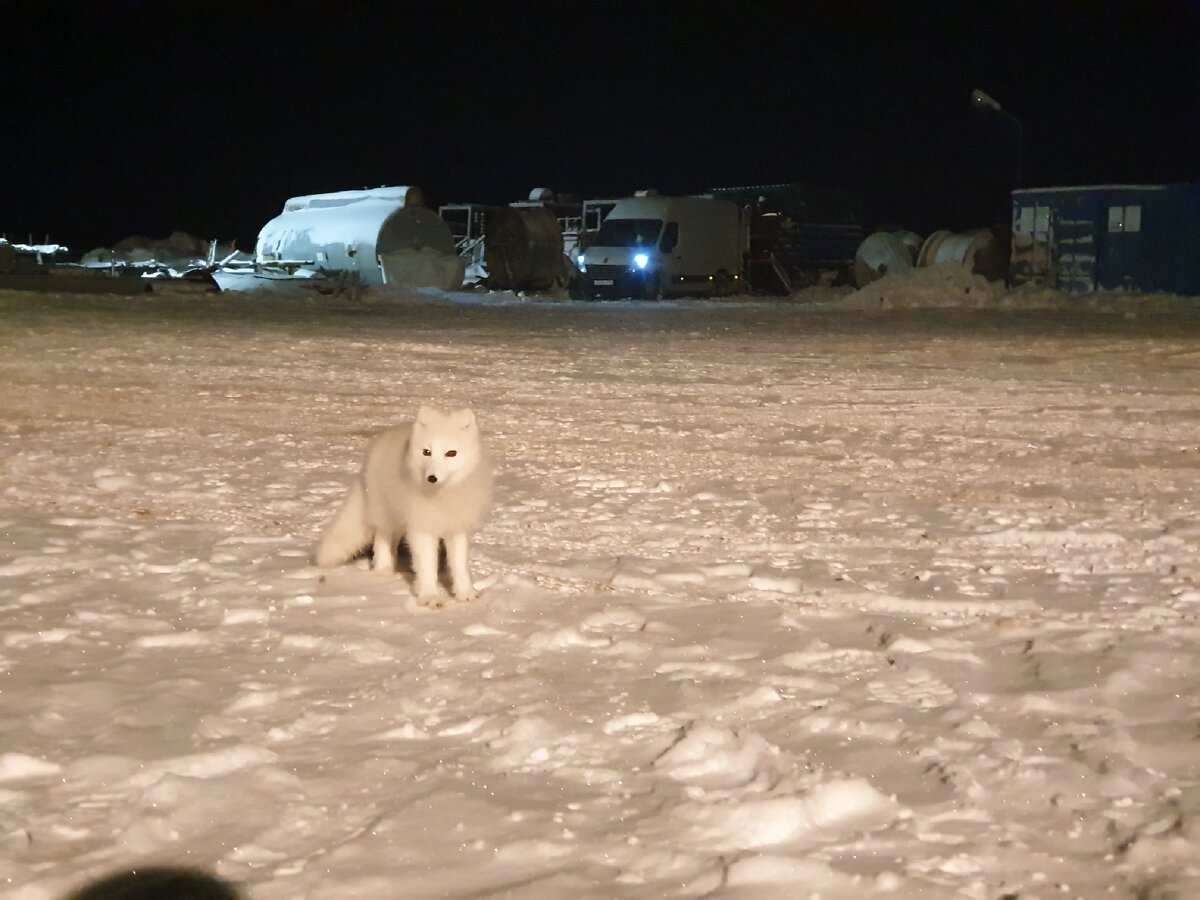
[1024, 223]
[1041, 219]
[1133, 218]
[1126, 219]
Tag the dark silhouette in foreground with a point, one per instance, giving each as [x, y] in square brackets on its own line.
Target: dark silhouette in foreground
[157, 883]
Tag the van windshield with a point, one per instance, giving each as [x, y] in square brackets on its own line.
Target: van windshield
[628, 233]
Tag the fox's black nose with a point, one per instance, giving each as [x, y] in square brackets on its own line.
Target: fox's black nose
[432, 479]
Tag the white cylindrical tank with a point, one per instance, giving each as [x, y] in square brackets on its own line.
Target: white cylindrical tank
[884, 253]
[349, 231]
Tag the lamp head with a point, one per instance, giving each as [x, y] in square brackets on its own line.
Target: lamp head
[983, 100]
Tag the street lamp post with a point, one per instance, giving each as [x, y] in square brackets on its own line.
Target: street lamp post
[983, 100]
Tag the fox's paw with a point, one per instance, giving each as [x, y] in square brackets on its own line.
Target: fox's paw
[431, 601]
[471, 596]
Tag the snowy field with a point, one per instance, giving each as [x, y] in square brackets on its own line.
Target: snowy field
[780, 601]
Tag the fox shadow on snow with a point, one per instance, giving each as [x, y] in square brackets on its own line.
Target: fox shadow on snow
[404, 564]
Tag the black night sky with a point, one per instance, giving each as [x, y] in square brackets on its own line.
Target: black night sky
[127, 118]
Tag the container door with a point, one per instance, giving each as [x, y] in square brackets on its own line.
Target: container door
[1122, 243]
[1034, 257]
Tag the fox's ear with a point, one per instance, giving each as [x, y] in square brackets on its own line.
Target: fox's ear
[425, 415]
[464, 419]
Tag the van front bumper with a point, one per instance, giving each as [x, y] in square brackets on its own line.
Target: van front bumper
[616, 282]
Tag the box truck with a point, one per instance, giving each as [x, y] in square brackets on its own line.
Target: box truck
[652, 246]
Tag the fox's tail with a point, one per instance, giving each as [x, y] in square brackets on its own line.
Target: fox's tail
[347, 535]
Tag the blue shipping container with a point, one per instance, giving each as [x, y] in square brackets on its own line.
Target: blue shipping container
[1108, 238]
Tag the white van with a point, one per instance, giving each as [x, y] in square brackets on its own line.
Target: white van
[650, 247]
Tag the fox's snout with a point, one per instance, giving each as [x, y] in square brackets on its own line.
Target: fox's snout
[434, 476]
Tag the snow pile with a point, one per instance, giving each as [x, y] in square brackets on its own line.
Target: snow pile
[778, 602]
[843, 805]
[934, 286]
[711, 757]
[956, 287]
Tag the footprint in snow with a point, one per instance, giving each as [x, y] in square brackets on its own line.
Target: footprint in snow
[916, 687]
[709, 757]
[623, 619]
[690, 669]
[818, 658]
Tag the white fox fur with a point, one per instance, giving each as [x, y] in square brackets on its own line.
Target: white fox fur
[427, 481]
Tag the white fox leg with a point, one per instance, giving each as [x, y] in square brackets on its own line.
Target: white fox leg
[459, 563]
[424, 550]
[385, 553]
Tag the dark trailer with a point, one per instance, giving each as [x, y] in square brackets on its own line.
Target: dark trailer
[798, 232]
[1124, 237]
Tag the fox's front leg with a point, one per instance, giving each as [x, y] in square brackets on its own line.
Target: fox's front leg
[424, 550]
[459, 563]
[384, 550]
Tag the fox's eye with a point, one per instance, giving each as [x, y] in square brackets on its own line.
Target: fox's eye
[427, 452]
[452, 453]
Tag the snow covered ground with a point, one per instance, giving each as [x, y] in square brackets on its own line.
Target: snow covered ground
[779, 601]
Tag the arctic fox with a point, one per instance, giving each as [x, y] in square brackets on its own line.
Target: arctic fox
[427, 481]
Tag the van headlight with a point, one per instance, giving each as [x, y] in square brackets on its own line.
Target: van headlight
[582, 262]
[640, 260]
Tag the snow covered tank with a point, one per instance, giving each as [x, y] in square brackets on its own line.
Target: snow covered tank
[360, 232]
